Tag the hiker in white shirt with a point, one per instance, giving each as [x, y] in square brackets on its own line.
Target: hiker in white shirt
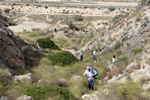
[94, 55]
[90, 77]
[114, 59]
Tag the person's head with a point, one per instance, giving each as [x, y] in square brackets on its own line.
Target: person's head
[114, 56]
[88, 68]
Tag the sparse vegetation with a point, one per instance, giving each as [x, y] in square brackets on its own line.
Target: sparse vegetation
[119, 17]
[136, 51]
[128, 91]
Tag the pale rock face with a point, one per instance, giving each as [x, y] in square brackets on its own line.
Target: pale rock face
[131, 65]
[139, 74]
[24, 97]
[93, 96]
[75, 78]
[21, 77]
[114, 79]
[146, 86]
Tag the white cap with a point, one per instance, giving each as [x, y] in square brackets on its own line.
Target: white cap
[87, 67]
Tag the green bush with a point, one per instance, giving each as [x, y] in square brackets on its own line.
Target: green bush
[111, 8]
[63, 58]
[47, 43]
[46, 7]
[42, 93]
[136, 51]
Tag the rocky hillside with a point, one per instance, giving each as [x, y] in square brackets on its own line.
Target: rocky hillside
[10, 47]
[131, 37]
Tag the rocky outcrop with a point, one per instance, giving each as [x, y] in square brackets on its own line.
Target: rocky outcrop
[145, 2]
[10, 47]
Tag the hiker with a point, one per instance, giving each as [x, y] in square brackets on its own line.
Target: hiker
[82, 58]
[114, 59]
[55, 30]
[92, 74]
[94, 55]
[37, 45]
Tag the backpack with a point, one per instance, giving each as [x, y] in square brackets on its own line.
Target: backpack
[96, 76]
[92, 53]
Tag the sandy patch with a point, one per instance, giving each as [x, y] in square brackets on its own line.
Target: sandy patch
[26, 25]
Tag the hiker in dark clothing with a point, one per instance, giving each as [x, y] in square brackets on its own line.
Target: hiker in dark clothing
[82, 58]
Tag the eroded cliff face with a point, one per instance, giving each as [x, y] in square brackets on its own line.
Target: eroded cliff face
[10, 45]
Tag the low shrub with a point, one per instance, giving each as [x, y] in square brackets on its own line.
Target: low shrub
[5, 78]
[46, 7]
[73, 27]
[47, 43]
[111, 8]
[2, 90]
[42, 93]
[63, 58]
[136, 51]
[78, 18]
[117, 45]
[146, 18]
[6, 10]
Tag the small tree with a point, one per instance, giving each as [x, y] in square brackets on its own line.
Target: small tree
[47, 43]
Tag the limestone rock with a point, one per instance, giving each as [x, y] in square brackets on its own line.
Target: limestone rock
[21, 77]
[24, 97]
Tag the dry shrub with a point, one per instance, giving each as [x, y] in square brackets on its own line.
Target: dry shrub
[148, 35]
[129, 70]
[102, 40]
[138, 66]
[110, 38]
[115, 72]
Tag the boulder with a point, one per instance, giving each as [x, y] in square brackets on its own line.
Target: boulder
[22, 77]
[10, 53]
